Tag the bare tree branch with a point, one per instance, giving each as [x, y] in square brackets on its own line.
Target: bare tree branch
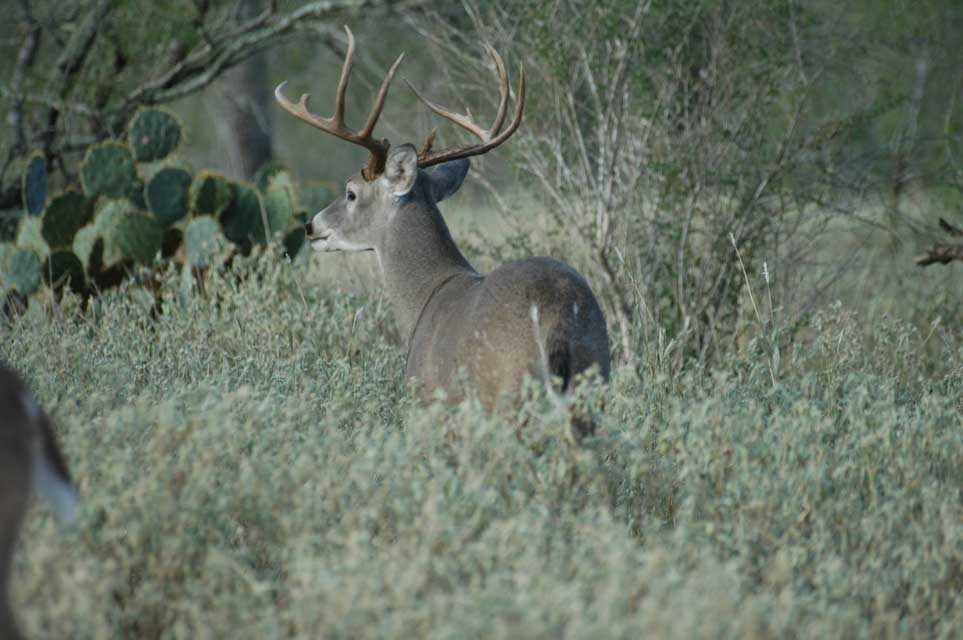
[941, 253]
[205, 63]
[222, 45]
[70, 62]
[25, 58]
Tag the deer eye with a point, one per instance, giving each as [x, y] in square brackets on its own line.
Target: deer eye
[351, 196]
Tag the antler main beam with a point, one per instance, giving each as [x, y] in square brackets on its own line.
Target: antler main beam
[491, 137]
[377, 148]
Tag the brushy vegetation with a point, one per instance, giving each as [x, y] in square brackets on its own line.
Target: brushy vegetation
[252, 466]
[250, 460]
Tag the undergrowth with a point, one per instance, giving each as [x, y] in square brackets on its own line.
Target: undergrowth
[252, 466]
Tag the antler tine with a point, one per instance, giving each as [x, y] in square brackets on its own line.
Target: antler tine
[379, 103]
[299, 109]
[343, 80]
[463, 121]
[428, 158]
[378, 149]
[505, 89]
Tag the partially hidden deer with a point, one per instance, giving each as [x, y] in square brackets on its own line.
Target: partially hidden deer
[531, 317]
[30, 462]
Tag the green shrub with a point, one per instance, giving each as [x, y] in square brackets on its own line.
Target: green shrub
[256, 469]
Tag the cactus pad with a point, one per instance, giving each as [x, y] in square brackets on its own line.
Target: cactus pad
[202, 241]
[294, 241]
[34, 185]
[63, 268]
[108, 170]
[279, 208]
[65, 215]
[106, 215]
[241, 220]
[134, 236]
[84, 243]
[210, 193]
[19, 269]
[166, 195]
[271, 175]
[171, 243]
[136, 194]
[30, 236]
[153, 133]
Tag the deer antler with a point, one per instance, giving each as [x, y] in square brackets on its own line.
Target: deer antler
[378, 149]
[942, 253]
[490, 138]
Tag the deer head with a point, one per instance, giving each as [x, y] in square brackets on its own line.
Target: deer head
[359, 221]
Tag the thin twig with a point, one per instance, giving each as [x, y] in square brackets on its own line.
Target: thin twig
[752, 299]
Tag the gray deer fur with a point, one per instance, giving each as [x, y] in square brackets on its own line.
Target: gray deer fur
[523, 317]
[29, 461]
[534, 317]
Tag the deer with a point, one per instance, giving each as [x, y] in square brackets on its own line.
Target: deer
[30, 461]
[534, 316]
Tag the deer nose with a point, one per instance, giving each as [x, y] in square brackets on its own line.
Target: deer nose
[308, 229]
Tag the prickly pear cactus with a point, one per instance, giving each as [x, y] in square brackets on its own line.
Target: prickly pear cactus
[242, 220]
[64, 269]
[135, 236]
[84, 243]
[66, 214]
[136, 194]
[153, 133]
[203, 241]
[19, 270]
[89, 240]
[6, 248]
[108, 170]
[272, 175]
[30, 236]
[210, 194]
[294, 241]
[279, 210]
[167, 195]
[34, 185]
[106, 217]
[283, 215]
[171, 243]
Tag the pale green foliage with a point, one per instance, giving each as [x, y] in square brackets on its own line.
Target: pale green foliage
[251, 467]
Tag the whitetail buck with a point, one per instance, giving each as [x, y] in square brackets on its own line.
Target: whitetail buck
[29, 460]
[535, 316]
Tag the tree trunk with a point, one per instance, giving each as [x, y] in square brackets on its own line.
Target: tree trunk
[245, 101]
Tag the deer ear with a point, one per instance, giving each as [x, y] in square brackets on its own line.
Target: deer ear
[401, 169]
[445, 179]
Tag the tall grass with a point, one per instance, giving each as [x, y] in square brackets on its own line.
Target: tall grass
[252, 466]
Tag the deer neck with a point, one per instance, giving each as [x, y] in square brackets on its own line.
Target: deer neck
[417, 256]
